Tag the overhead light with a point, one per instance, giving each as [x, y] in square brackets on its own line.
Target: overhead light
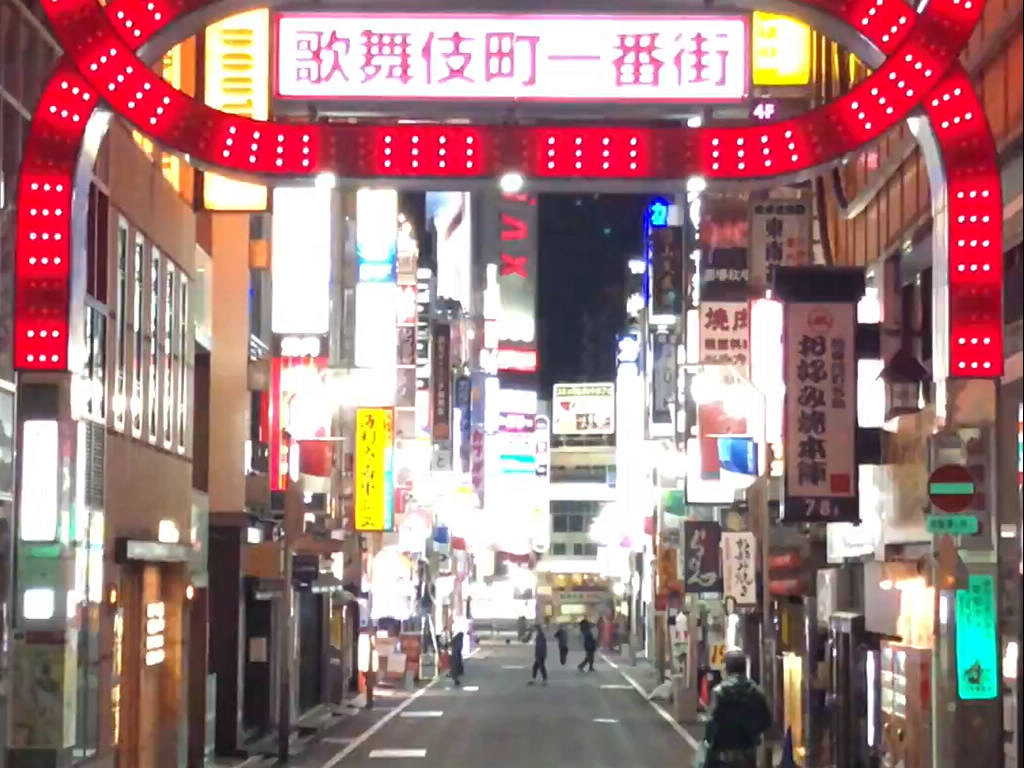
[511, 183]
[694, 122]
[325, 180]
[637, 266]
[696, 184]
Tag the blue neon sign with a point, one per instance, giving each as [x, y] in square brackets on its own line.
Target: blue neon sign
[657, 213]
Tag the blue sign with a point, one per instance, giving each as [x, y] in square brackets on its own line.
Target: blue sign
[657, 213]
[738, 454]
[376, 260]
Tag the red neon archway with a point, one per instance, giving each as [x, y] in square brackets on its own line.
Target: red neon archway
[919, 71]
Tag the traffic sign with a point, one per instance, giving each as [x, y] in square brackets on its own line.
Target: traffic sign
[954, 525]
[951, 488]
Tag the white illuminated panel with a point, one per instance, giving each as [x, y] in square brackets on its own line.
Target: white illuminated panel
[38, 500]
[527, 57]
[38, 603]
[376, 333]
[376, 234]
[301, 260]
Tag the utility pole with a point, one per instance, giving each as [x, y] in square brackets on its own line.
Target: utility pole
[292, 528]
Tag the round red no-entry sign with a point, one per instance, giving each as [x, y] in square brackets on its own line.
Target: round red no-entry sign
[951, 488]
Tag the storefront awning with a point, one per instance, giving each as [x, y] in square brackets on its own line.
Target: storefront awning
[128, 550]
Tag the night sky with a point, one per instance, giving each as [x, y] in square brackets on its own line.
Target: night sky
[585, 242]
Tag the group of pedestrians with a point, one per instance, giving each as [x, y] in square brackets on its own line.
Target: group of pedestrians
[540, 650]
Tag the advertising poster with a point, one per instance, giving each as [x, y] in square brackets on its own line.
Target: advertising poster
[725, 259]
[739, 567]
[667, 269]
[663, 377]
[977, 662]
[725, 334]
[820, 412]
[702, 556]
[583, 409]
[374, 469]
[780, 235]
[477, 469]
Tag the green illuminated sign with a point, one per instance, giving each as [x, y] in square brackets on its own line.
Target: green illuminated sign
[977, 663]
[954, 525]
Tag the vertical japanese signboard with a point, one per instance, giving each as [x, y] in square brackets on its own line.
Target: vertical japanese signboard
[977, 662]
[441, 402]
[725, 261]
[702, 556]
[663, 377]
[725, 334]
[739, 569]
[477, 458]
[667, 270]
[517, 273]
[374, 470]
[820, 371]
[780, 235]
[463, 404]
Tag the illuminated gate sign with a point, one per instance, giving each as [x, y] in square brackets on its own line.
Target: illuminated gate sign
[526, 57]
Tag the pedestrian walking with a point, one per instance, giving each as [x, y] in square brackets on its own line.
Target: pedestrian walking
[540, 656]
[458, 639]
[589, 646]
[738, 717]
[521, 628]
[563, 644]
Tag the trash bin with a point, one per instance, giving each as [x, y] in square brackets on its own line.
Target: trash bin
[684, 700]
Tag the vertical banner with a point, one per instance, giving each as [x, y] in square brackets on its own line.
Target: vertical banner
[663, 376]
[977, 660]
[725, 334]
[236, 80]
[425, 286]
[477, 468]
[542, 438]
[820, 412]
[725, 260]
[667, 271]
[780, 235]
[739, 568]
[702, 556]
[463, 404]
[374, 470]
[517, 270]
[441, 400]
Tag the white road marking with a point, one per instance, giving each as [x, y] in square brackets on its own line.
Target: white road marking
[423, 713]
[605, 720]
[683, 733]
[616, 687]
[384, 754]
[514, 666]
[471, 688]
[336, 739]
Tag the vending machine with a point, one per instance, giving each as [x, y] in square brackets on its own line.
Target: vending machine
[854, 691]
[906, 706]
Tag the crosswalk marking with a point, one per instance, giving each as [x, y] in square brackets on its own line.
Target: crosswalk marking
[384, 754]
[423, 713]
[605, 720]
[616, 687]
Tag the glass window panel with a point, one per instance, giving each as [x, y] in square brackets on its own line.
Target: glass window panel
[169, 331]
[139, 287]
[154, 349]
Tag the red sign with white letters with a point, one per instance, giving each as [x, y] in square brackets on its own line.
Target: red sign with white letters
[535, 57]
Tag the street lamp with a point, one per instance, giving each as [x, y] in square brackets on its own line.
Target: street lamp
[904, 376]
[511, 182]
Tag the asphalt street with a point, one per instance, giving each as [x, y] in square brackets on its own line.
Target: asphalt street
[593, 719]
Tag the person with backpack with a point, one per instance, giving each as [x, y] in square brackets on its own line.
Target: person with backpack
[738, 714]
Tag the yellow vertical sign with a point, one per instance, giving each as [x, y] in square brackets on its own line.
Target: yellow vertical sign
[171, 72]
[236, 79]
[373, 468]
[781, 50]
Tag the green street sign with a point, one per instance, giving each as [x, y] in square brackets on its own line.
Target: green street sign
[977, 662]
[952, 525]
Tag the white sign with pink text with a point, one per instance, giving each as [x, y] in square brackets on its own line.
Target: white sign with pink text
[529, 57]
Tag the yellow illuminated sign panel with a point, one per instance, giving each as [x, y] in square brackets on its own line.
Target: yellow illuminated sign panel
[374, 470]
[237, 81]
[781, 52]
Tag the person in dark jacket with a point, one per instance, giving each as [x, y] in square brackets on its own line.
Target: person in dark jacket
[563, 644]
[589, 646]
[738, 717]
[458, 639]
[540, 655]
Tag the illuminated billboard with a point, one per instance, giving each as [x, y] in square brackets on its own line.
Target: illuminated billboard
[301, 260]
[376, 235]
[300, 409]
[583, 409]
[527, 57]
[374, 469]
[450, 215]
[236, 79]
[781, 50]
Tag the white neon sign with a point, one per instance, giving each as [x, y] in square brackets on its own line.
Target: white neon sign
[301, 265]
[529, 57]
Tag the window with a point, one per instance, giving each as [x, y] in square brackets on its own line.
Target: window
[153, 340]
[183, 367]
[120, 394]
[96, 361]
[169, 371]
[96, 244]
[573, 516]
[557, 548]
[136, 404]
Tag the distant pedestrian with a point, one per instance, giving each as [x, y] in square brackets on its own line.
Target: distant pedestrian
[540, 655]
[589, 646]
[563, 644]
[458, 640]
[521, 627]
